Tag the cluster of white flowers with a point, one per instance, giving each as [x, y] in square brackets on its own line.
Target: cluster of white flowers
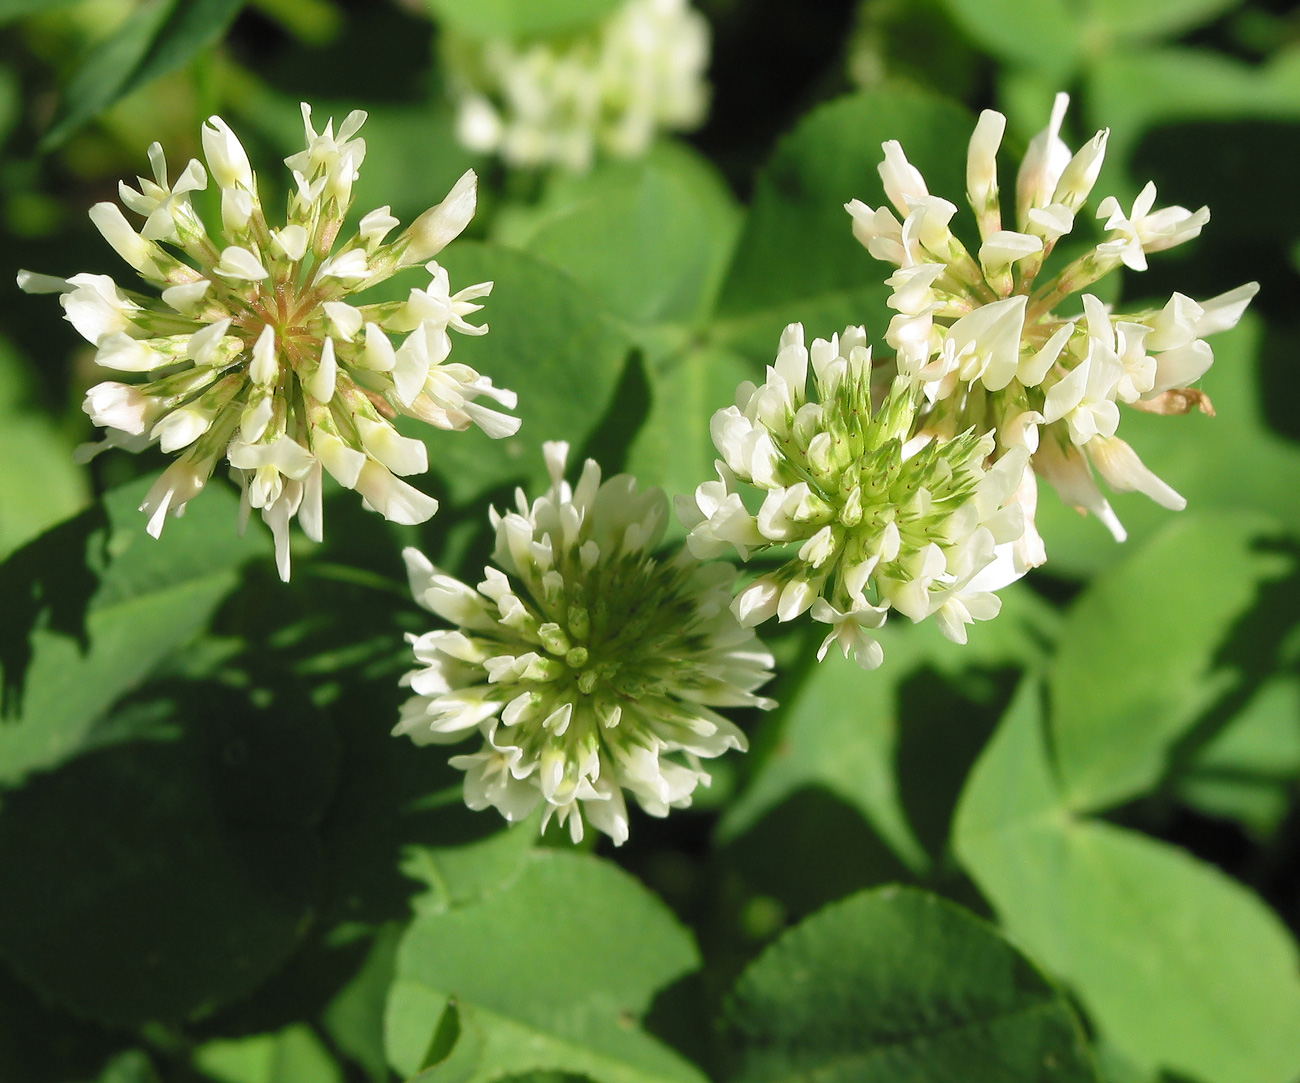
[560, 101]
[870, 515]
[251, 353]
[589, 666]
[984, 340]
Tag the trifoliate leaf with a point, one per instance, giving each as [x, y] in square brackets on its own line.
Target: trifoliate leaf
[95, 604]
[1179, 966]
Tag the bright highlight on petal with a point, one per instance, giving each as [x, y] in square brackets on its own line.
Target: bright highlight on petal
[981, 337]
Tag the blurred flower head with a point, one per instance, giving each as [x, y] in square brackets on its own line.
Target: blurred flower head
[868, 515]
[561, 101]
[246, 348]
[985, 339]
[589, 666]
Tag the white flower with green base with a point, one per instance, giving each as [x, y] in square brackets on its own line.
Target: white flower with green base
[248, 350]
[589, 666]
[867, 515]
[983, 335]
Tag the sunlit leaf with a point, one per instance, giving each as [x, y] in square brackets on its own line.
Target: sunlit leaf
[1138, 661]
[552, 972]
[797, 259]
[1178, 966]
[292, 1055]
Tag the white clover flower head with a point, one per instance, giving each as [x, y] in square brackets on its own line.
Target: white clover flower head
[984, 338]
[589, 666]
[869, 514]
[562, 101]
[249, 350]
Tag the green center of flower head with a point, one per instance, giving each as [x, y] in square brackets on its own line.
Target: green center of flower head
[596, 621]
[611, 626]
[867, 483]
[881, 516]
[589, 665]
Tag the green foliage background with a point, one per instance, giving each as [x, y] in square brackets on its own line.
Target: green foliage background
[1069, 851]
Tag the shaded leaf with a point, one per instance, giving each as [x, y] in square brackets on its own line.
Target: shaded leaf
[1152, 18]
[797, 259]
[1246, 772]
[133, 1066]
[519, 19]
[1038, 35]
[50, 486]
[169, 875]
[674, 448]
[354, 1018]
[1132, 91]
[844, 727]
[897, 984]
[16, 9]
[551, 343]
[650, 238]
[95, 605]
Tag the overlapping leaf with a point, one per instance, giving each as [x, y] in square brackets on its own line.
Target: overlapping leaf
[551, 972]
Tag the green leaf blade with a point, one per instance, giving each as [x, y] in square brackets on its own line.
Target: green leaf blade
[550, 972]
[897, 984]
[1137, 664]
[551, 343]
[1179, 966]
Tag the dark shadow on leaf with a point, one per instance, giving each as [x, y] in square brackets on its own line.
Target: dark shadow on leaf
[1254, 648]
[811, 850]
[162, 878]
[944, 724]
[627, 412]
[48, 584]
[680, 1016]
